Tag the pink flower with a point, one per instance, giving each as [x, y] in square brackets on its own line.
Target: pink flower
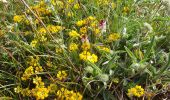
[102, 26]
[84, 38]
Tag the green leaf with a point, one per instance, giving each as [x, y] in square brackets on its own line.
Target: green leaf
[97, 69]
[133, 57]
[163, 69]
[148, 51]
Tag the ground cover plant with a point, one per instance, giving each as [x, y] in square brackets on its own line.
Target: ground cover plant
[84, 49]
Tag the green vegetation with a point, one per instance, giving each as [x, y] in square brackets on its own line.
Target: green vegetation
[84, 49]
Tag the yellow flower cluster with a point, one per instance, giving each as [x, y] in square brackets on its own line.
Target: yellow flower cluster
[18, 18]
[83, 30]
[80, 23]
[57, 3]
[38, 82]
[42, 30]
[41, 37]
[113, 37]
[85, 21]
[137, 91]
[41, 8]
[76, 6]
[90, 19]
[73, 47]
[54, 29]
[33, 61]
[73, 34]
[33, 43]
[64, 94]
[89, 23]
[65, 6]
[61, 75]
[87, 56]
[28, 72]
[40, 91]
[34, 67]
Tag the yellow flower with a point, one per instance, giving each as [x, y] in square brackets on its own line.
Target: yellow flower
[83, 55]
[28, 72]
[137, 91]
[83, 30]
[86, 56]
[17, 89]
[85, 46]
[64, 94]
[38, 69]
[18, 18]
[40, 92]
[140, 91]
[80, 23]
[113, 37]
[52, 28]
[58, 50]
[37, 81]
[42, 30]
[131, 92]
[90, 18]
[93, 58]
[34, 43]
[94, 24]
[27, 22]
[60, 94]
[34, 61]
[96, 31]
[61, 75]
[70, 1]
[73, 34]
[70, 14]
[59, 4]
[73, 47]
[43, 38]
[49, 64]
[115, 80]
[126, 9]
[76, 6]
